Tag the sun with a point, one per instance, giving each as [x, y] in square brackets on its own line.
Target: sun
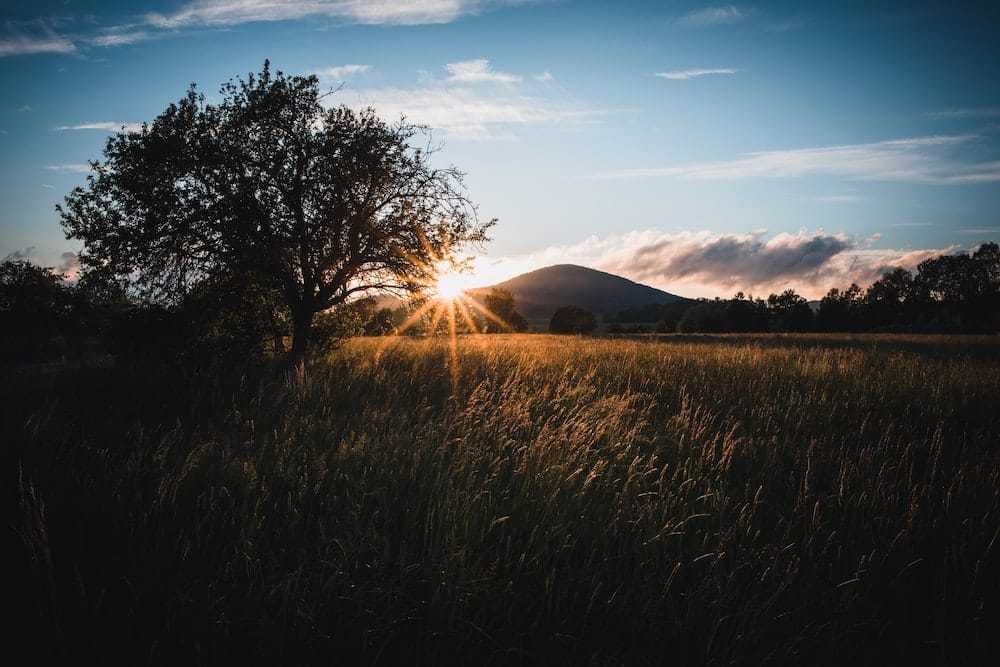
[450, 284]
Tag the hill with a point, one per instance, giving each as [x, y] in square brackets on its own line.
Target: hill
[539, 293]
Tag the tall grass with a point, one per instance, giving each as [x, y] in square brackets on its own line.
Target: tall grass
[529, 500]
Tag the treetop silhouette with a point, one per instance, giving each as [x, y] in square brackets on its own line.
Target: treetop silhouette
[319, 204]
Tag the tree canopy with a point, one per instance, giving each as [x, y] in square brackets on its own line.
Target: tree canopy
[321, 205]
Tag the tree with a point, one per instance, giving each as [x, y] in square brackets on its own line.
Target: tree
[841, 310]
[36, 308]
[891, 299]
[325, 204]
[500, 302]
[789, 312]
[572, 320]
[706, 316]
[381, 323]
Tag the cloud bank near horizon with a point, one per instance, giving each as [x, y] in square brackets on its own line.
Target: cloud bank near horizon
[704, 263]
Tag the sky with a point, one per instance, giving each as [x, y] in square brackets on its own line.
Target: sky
[699, 148]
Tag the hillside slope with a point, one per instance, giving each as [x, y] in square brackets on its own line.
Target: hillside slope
[539, 293]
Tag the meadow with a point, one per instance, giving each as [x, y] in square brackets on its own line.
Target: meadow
[516, 499]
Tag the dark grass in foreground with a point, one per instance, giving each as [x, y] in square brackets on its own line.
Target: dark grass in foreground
[742, 500]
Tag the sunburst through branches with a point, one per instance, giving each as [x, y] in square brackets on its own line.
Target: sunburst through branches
[444, 306]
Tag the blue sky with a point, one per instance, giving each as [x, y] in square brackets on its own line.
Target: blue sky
[702, 148]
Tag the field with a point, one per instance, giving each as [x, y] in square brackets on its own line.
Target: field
[517, 500]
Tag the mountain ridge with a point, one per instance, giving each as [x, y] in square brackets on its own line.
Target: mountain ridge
[539, 293]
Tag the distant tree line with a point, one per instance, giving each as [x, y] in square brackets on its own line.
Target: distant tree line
[947, 294]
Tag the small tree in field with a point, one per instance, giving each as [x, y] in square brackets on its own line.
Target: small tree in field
[500, 302]
[324, 205]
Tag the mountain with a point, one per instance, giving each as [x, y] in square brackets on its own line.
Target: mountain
[539, 293]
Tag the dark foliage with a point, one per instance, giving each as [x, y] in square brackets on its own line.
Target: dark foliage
[572, 320]
[381, 323]
[322, 205]
[500, 303]
[665, 315]
[950, 293]
[740, 314]
[37, 311]
[789, 312]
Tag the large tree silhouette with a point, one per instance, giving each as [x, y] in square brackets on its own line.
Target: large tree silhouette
[322, 204]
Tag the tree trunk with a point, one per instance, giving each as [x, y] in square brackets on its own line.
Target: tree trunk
[301, 330]
[278, 340]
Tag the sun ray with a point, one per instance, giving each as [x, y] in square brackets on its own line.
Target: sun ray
[436, 317]
[415, 316]
[402, 328]
[489, 314]
[453, 347]
[463, 310]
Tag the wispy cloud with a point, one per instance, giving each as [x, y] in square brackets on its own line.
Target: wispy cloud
[477, 71]
[917, 160]
[544, 77]
[69, 168]
[24, 109]
[45, 42]
[714, 16]
[104, 126]
[372, 12]
[685, 74]
[121, 38]
[992, 112]
[912, 224]
[48, 186]
[468, 113]
[341, 72]
[981, 230]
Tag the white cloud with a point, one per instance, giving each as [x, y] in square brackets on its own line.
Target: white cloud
[69, 168]
[477, 71]
[466, 113]
[704, 263]
[544, 77]
[981, 230]
[685, 74]
[713, 16]
[105, 126]
[20, 254]
[341, 72]
[916, 160]
[48, 186]
[372, 12]
[48, 42]
[69, 265]
[24, 109]
[120, 38]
